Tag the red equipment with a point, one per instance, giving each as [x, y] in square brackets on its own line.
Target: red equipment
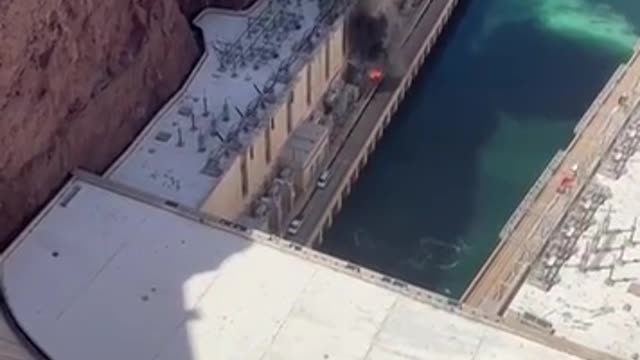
[375, 74]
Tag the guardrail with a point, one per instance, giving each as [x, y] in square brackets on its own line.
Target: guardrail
[603, 95]
[532, 194]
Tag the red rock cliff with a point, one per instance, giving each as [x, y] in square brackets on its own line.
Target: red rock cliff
[78, 80]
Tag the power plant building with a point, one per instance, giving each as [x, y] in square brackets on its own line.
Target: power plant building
[218, 144]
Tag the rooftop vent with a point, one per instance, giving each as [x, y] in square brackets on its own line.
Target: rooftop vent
[185, 111]
[205, 107]
[180, 142]
[201, 144]
[193, 122]
[213, 129]
[225, 111]
[212, 167]
[162, 136]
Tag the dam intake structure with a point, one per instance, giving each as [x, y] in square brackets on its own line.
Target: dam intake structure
[408, 49]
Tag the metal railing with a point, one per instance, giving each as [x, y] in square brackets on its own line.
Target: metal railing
[532, 194]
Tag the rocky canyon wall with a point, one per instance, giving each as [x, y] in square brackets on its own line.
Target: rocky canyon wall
[78, 80]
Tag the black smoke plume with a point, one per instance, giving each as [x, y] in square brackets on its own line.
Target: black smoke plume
[367, 34]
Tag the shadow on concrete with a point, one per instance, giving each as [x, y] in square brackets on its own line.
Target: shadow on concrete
[124, 294]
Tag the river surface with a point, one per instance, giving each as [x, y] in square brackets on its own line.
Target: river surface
[496, 100]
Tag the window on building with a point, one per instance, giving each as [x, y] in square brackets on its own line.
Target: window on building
[327, 60]
[309, 84]
[273, 123]
[251, 152]
[244, 177]
[267, 147]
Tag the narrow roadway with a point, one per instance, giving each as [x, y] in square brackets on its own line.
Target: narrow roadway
[322, 201]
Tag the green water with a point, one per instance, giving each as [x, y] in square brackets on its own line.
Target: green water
[489, 110]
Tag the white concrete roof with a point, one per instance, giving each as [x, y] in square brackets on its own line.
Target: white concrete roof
[581, 307]
[158, 162]
[103, 276]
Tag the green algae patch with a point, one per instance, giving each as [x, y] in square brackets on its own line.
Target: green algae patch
[592, 22]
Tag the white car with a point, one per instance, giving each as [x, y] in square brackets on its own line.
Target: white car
[295, 225]
[323, 179]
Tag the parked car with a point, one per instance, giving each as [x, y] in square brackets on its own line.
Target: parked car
[323, 179]
[295, 225]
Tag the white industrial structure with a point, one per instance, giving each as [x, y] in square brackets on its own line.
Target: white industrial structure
[217, 144]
